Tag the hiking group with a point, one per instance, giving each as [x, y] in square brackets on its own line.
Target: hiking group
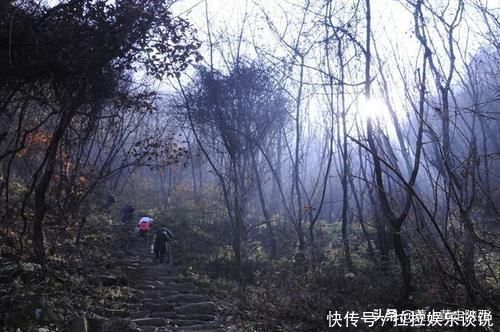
[161, 238]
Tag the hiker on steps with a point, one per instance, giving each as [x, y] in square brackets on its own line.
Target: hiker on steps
[127, 214]
[144, 226]
[161, 242]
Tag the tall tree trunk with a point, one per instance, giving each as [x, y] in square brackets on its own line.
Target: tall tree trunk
[265, 212]
[296, 168]
[380, 224]
[345, 164]
[359, 207]
[403, 260]
[238, 225]
[468, 257]
[275, 199]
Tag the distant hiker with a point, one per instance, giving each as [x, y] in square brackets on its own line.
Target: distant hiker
[127, 214]
[144, 226]
[162, 236]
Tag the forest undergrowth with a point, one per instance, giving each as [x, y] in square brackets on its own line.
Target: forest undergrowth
[290, 293]
[76, 280]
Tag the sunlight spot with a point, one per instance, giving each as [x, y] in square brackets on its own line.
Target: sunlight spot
[374, 109]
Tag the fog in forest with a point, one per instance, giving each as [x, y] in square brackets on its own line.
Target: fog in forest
[311, 158]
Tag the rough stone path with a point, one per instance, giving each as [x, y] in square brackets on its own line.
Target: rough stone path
[164, 300]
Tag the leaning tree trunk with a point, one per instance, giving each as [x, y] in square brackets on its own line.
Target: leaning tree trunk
[43, 185]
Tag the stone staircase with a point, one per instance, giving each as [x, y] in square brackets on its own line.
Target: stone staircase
[163, 300]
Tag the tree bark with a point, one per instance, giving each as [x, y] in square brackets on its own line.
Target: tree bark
[43, 185]
[265, 212]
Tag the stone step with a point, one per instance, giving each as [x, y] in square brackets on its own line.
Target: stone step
[185, 322]
[146, 287]
[182, 288]
[156, 293]
[199, 327]
[139, 314]
[155, 283]
[129, 268]
[220, 329]
[133, 263]
[154, 307]
[165, 314]
[154, 321]
[155, 300]
[204, 308]
[154, 329]
[133, 306]
[148, 329]
[181, 291]
[187, 298]
[176, 279]
[203, 317]
[121, 313]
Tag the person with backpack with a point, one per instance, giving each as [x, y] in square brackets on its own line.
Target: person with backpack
[127, 213]
[160, 243]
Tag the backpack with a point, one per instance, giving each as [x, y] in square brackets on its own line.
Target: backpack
[144, 226]
[163, 234]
